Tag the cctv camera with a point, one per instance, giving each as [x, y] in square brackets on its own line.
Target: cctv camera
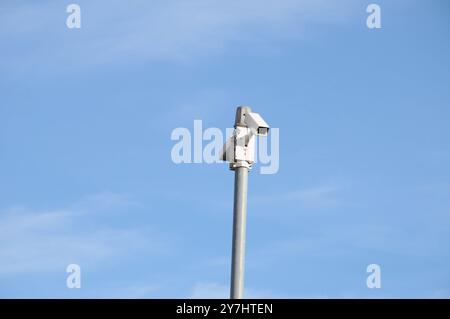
[239, 149]
[255, 122]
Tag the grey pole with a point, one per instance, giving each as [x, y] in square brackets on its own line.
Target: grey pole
[239, 150]
[239, 216]
[239, 225]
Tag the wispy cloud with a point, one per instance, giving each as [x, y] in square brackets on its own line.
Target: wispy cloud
[337, 242]
[321, 196]
[314, 197]
[37, 241]
[103, 201]
[35, 35]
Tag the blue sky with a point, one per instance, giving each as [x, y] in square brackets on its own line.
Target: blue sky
[86, 175]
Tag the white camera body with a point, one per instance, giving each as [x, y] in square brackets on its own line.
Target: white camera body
[239, 149]
[244, 147]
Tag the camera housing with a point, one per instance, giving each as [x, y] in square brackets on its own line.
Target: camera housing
[256, 124]
[239, 149]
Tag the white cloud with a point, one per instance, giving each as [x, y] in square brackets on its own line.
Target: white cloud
[321, 196]
[315, 197]
[103, 201]
[33, 241]
[115, 32]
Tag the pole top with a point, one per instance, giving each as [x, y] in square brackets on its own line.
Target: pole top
[240, 115]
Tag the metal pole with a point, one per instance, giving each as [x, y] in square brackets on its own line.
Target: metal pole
[239, 225]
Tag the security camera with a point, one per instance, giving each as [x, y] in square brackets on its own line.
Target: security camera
[239, 149]
[256, 124]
